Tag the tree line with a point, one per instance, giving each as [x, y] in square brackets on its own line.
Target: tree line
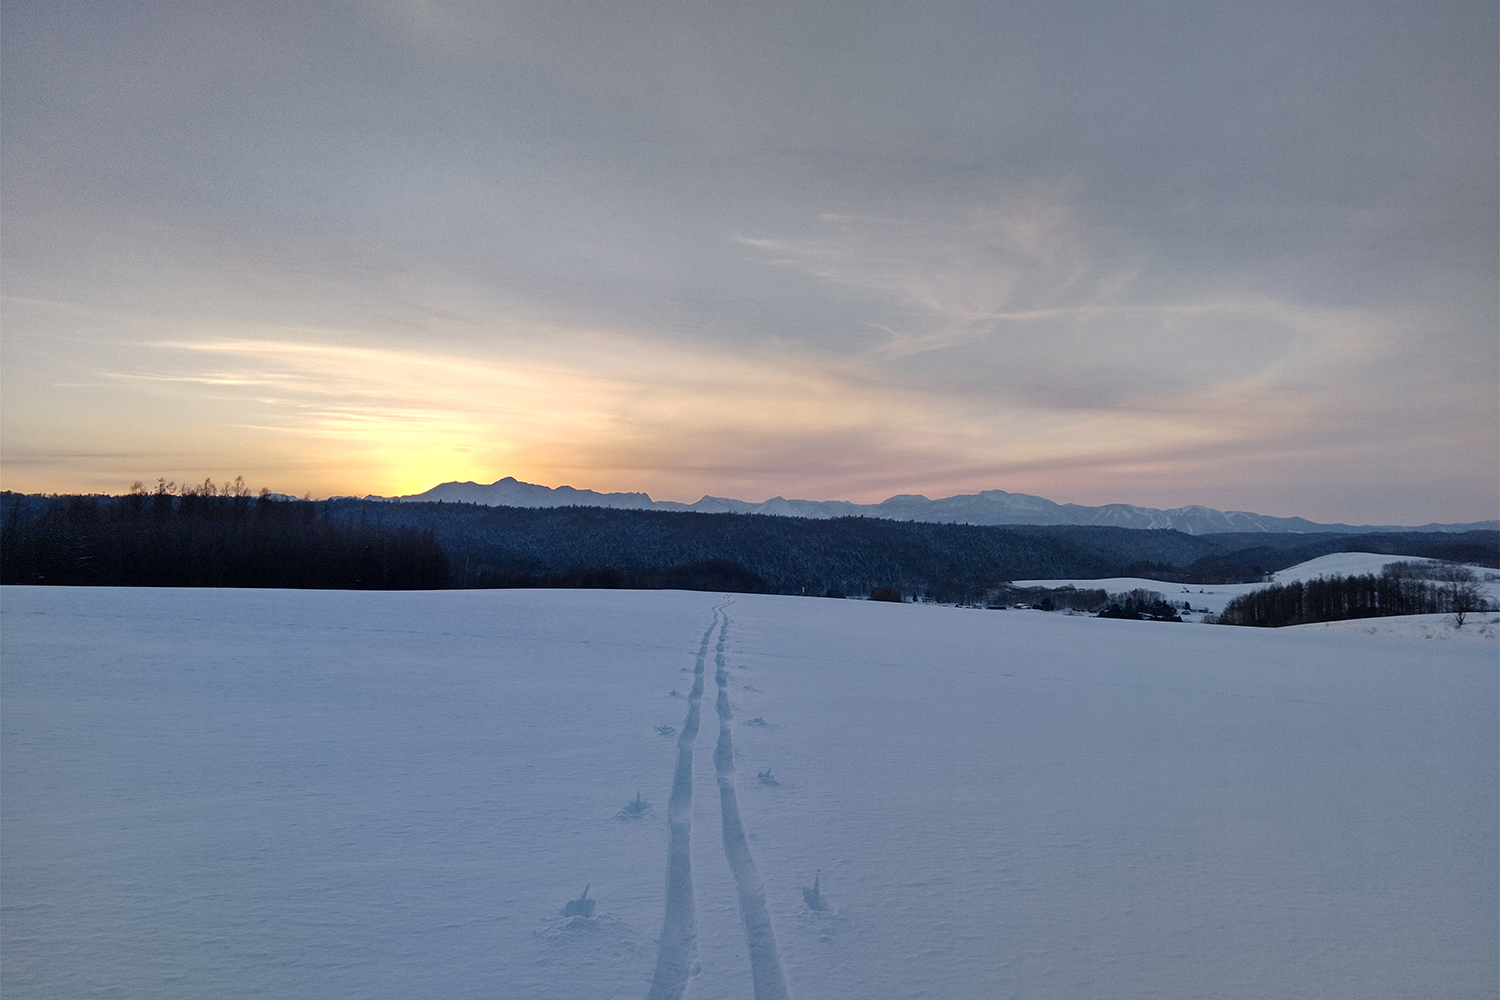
[1337, 598]
[510, 546]
[208, 539]
[206, 536]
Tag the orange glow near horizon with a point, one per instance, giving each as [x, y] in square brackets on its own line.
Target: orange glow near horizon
[307, 411]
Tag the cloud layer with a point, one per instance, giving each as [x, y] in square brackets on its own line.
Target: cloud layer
[1098, 252]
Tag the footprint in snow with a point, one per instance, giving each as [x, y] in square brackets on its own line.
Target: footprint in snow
[632, 810]
[813, 895]
[602, 940]
[821, 919]
[580, 907]
[825, 925]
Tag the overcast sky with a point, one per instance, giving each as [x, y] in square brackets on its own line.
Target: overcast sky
[1236, 254]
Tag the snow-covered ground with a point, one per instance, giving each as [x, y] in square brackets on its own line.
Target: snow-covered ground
[1476, 628]
[1213, 597]
[312, 794]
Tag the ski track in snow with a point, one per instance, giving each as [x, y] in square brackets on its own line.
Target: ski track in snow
[1161, 808]
[765, 961]
[678, 946]
[679, 930]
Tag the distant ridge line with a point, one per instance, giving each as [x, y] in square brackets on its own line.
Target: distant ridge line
[988, 507]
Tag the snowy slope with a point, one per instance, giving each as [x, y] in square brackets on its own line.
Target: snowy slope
[312, 794]
[1214, 596]
[1358, 563]
[1483, 628]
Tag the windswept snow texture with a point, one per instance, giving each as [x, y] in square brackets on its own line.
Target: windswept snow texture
[239, 793]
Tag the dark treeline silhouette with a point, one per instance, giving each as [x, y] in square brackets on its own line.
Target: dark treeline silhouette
[1337, 598]
[201, 540]
[1001, 596]
[1054, 598]
[1141, 605]
[1009, 595]
[954, 563]
[510, 546]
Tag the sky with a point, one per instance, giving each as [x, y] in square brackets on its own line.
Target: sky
[1163, 253]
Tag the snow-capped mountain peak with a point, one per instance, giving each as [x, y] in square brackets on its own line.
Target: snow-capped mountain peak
[991, 507]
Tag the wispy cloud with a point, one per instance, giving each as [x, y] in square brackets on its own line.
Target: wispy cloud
[946, 275]
[377, 245]
[617, 408]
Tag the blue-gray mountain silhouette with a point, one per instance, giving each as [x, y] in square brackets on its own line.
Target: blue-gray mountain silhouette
[986, 507]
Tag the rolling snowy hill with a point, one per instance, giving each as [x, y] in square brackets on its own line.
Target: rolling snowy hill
[238, 793]
[1212, 597]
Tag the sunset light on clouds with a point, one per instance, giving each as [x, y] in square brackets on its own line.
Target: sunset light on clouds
[1148, 253]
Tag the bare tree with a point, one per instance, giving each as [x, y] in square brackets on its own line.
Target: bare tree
[1465, 596]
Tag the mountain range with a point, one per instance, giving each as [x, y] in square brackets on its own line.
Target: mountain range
[988, 507]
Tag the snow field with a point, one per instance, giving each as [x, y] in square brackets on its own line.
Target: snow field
[305, 794]
[1480, 627]
[1214, 596]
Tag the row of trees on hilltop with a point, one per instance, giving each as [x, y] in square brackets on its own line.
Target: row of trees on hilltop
[203, 535]
[1337, 598]
[208, 538]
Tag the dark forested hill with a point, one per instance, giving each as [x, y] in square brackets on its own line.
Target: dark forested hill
[513, 546]
[244, 541]
[509, 546]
